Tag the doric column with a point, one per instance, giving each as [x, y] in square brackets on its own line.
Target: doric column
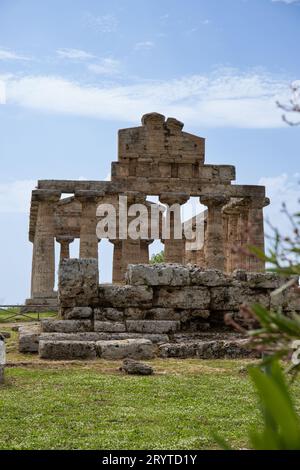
[214, 244]
[256, 234]
[43, 260]
[64, 242]
[117, 274]
[232, 213]
[131, 249]
[88, 239]
[174, 245]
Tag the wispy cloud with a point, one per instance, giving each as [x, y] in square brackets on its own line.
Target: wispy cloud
[15, 196]
[226, 98]
[74, 54]
[288, 2]
[144, 45]
[103, 23]
[6, 54]
[106, 66]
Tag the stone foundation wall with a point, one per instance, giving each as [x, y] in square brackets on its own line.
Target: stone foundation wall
[163, 298]
[165, 310]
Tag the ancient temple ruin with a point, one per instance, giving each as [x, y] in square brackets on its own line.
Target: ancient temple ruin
[175, 309]
[156, 159]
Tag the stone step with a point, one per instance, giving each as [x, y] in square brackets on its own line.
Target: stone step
[213, 349]
[66, 326]
[152, 326]
[129, 326]
[114, 349]
[102, 336]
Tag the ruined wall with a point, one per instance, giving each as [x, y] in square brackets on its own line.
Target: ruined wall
[167, 310]
[185, 298]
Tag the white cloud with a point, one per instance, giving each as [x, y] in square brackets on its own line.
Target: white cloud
[144, 45]
[15, 196]
[224, 99]
[288, 2]
[6, 54]
[104, 23]
[74, 54]
[106, 66]
[282, 188]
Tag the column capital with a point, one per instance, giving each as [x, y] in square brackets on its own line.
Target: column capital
[251, 202]
[64, 239]
[214, 200]
[173, 198]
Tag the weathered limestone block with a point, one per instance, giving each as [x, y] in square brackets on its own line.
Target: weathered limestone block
[232, 297]
[264, 280]
[293, 300]
[78, 282]
[67, 350]
[225, 349]
[132, 367]
[121, 349]
[213, 349]
[102, 336]
[180, 350]
[77, 313]
[29, 338]
[158, 275]
[185, 297]
[125, 296]
[152, 326]
[158, 313]
[86, 336]
[109, 326]
[112, 314]
[208, 277]
[66, 326]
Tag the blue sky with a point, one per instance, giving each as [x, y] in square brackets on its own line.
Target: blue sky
[73, 73]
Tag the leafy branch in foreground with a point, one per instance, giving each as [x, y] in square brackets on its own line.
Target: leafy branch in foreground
[276, 337]
[281, 423]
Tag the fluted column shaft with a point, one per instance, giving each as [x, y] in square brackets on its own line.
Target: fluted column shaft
[174, 247]
[117, 274]
[214, 246]
[88, 238]
[43, 259]
[256, 235]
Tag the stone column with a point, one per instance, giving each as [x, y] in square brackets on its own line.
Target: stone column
[88, 239]
[214, 245]
[174, 247]
[117, 275]
[256, 234]
[43, 262]
[232, 213]
[242, 259]
[131, 249]
[64, 246]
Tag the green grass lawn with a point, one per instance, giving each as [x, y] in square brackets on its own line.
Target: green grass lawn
[5, 315]
[96, 407]
[91, 405]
